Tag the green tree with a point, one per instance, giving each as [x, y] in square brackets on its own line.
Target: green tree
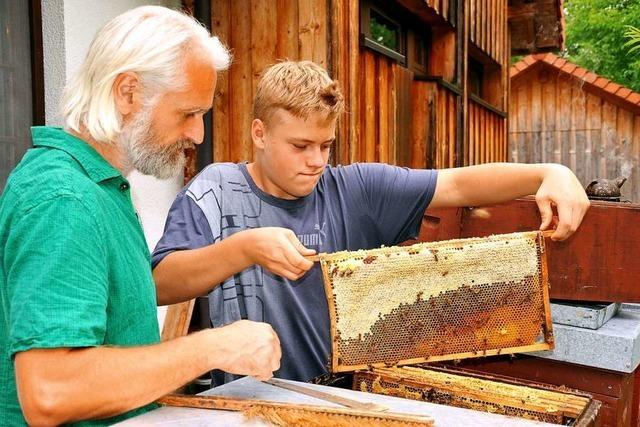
[633, 34]
[597, 36]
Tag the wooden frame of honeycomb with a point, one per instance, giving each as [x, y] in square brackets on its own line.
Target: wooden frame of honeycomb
[438, 301]
[486, 393]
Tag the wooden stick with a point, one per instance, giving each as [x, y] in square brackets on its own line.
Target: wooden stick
[239, 404]
[344, 401]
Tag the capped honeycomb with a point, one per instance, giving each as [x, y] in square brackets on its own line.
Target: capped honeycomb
[476, 392]
[437, 301]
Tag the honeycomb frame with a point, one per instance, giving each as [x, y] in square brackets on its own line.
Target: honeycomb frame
[438, 301]
[481, 392]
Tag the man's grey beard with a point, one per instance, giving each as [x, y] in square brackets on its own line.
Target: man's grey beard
[141, 149]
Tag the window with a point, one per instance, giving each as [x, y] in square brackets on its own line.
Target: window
[395, 34]
[384, 31]
[475, 77]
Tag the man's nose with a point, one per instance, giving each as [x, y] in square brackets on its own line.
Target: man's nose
[195, 130]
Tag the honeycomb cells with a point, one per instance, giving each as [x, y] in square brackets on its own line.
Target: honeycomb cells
[438, 301]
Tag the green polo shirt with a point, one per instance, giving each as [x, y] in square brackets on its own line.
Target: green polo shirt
[75, 270]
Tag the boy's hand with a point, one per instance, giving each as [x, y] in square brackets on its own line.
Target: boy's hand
[279, 251]
[246, 348]
[561, 188]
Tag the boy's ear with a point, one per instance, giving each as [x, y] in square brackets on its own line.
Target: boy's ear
[257, 133]
[126, 93]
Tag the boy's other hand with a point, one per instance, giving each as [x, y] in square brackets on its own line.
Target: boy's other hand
[561, 188]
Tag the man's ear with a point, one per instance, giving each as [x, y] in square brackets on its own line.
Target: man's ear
[257, 133]
[126, 93]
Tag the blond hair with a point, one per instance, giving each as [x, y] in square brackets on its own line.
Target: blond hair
[301, 88]
[151, 41]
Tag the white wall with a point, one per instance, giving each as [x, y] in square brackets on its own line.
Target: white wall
[68, 27]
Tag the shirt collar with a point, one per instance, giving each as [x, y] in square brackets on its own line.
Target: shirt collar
[96, 166]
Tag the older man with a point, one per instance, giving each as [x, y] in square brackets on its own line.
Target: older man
[78, 329]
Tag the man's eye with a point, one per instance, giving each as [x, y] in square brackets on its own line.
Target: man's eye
[300, 147]
[326, 147]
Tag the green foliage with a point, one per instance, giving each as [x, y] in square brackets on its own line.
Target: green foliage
[384, 32]
[601, 36]
[633, 34]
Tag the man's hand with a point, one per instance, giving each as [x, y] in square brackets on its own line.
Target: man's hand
[561, 188]
[279, 251]
[247, 348]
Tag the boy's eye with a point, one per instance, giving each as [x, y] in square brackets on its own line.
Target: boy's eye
[300, 147]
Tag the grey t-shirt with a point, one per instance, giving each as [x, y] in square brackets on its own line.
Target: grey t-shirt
[360, 206]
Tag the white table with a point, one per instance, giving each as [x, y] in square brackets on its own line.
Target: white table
[249, 388]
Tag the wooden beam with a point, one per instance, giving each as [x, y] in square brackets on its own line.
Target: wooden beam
[177, 320]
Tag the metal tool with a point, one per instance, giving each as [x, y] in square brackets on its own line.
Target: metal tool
[349, 403]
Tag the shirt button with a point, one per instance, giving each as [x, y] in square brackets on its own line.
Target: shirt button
[124, 186]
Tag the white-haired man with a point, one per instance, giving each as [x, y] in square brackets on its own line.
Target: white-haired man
[78, 331]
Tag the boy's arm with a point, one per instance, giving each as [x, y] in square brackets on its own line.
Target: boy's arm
[186, 274]
[60, 385]
[552, 184]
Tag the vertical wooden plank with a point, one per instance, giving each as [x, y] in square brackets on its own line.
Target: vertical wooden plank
[483, 36]
[287, 29]
[513, 135]
[498, 30]
[353, 31]
[579, 112]
[451, 129]
[548, 114]
[635, 178]
[534, 119]
[420, 125]
[472, 135]
[340, 67]
[312, 31]
[594, 121]
[472, 128]
[220, 20]
[368, 106]
[624, 162]
[394, 101]
[240, 81]
[493, 30]
[478, 133]
[264, 40]
[383, 103]
[472, 21]
[609, 140]
[406, 116]
[563, 118]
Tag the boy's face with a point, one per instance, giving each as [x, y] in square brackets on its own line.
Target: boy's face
[291, 153]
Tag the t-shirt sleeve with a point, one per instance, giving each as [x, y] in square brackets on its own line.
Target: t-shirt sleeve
[57, 277]
[397, 198]
[186, 228]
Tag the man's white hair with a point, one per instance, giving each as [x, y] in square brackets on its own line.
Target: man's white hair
[150, 41]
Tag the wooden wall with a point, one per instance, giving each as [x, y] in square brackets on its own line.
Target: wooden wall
[555, 119]
[488, 27]
[433, 139]
[487, 135]
[259, 33]
[391, 117]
